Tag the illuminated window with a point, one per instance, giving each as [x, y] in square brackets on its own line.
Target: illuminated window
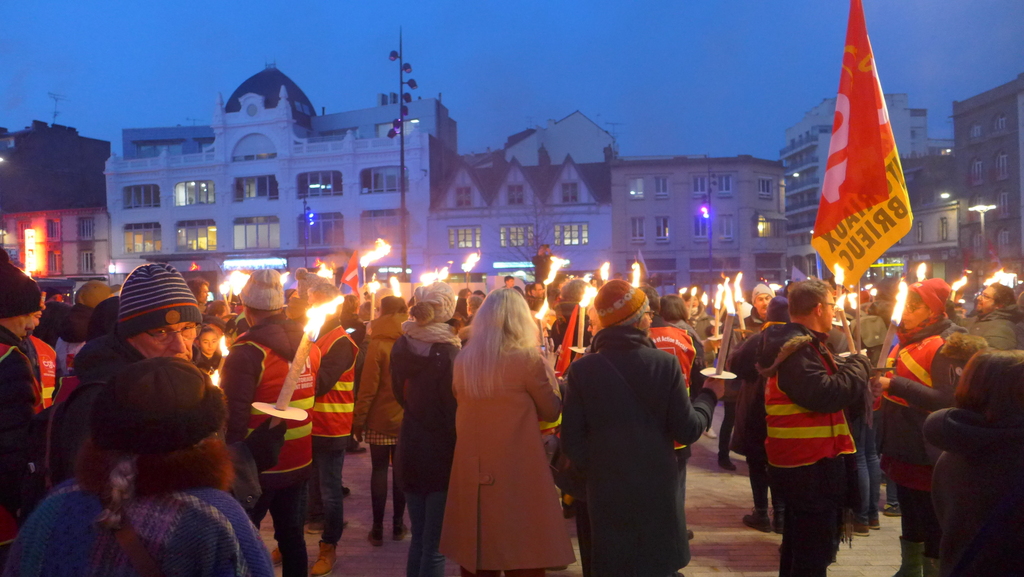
[464, 237]
[574, 233]
[257, 232]
[142, 237]
[197, 235]
[764, 228]
[194, 192]
[636, 188]
[323, 183]
[516, 235]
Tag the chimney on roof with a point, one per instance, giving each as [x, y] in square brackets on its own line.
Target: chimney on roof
[543, 157]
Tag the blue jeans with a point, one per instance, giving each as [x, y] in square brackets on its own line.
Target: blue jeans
[329, 465]
[287, 507]
[426, 513]
[869, 474]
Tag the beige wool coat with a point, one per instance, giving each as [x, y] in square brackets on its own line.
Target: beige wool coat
[502, 511]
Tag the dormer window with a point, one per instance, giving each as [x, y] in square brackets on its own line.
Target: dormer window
[515, 194]
[463, 197]
[570, 192]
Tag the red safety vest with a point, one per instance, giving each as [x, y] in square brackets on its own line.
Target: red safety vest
[799, 436]
[914, 362]
[297, 451]
[332, 413]
[676, 342]
[47, 369]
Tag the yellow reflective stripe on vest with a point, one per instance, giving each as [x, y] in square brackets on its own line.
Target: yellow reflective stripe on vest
[299, 432]
[914, 367]
[781, 410]
[823, 432]
[334, 407]
[344, 386]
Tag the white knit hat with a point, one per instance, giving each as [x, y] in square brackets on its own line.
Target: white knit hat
[263, 291]
[441, 296]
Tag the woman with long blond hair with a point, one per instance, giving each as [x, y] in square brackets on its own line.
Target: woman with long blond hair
[502, 512]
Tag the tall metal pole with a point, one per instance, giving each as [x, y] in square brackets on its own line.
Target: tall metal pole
[401, 156]
[305, 247]
[711, 271]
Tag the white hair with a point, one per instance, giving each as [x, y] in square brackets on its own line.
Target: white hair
[502, 326]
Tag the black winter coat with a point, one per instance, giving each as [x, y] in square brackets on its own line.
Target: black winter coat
[1002, 328]
[621, 436]
[750, 417]
[17, 401]
[426, 442]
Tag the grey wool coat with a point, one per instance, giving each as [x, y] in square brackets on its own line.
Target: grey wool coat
[621, 435]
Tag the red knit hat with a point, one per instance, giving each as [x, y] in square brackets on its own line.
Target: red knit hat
[933, 292]
[618, 301]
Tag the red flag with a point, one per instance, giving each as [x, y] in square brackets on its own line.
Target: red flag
[351, 276]
[864, 206]
[565, 354]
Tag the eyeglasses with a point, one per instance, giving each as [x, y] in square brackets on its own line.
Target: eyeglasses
[830, 304]
[986, 297]
[166, 336]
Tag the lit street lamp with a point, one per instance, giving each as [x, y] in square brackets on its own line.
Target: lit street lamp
[398, 129]
[981, 209]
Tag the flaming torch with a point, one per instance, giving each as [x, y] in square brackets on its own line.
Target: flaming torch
[956, 288]
[224, 350]
[636, 275]
[718, 371]
[738, 294]
[890, 334]
[280, 410]
[922, 271]
[325, 271]
[373, 286]
[467, 266]
[588, 296]
[717, 311]
[556, 263]
[605, 271]
[1001, 277]
[396, 287]
[380, 250]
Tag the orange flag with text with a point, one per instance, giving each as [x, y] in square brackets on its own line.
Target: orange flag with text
[864, 207]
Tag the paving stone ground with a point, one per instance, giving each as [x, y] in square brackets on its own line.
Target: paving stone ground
[716, 500]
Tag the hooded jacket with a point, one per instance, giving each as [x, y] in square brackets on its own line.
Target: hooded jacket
[1001, 328]
[981, 464]
[18, 401]
[421, 379]
[376, 407]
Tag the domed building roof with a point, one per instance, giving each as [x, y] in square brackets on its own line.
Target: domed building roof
[267, 83]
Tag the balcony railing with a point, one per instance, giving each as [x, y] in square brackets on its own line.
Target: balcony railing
[800, 143]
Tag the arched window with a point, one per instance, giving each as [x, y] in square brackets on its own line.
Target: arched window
[977, 175]
[1000, 122]
[1002, 165]
[254, 147]
[1003, 238]
[976, 130]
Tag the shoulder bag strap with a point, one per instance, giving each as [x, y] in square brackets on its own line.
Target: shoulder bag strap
[630, 386]
[140, 558]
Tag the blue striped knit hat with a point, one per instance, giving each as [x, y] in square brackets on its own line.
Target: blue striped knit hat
[153, 296]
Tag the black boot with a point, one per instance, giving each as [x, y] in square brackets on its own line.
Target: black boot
[778, 520]
[758, 520]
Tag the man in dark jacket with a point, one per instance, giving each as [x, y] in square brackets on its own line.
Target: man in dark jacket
[21, 306]
[998, 319]
[625, 406]
[806, 393]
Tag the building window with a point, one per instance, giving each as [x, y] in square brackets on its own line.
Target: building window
[86, 261]
[637, 224]
[256, 187]
[325, 229]
[660, 187]
[726, 226]
[919, 231]
[142, 237]
[142, 196]
[515, 194]
[636, 188]
[197, 235]
[944, 228]
[516, 235]
[257, 232]
[1002, 166]
[53, 262]
[1004, 203]
[572, 234]
[256, 156]
[570, 192]
[977, 241]
[724, 184]
[764, 188]
[380, 179]
[382, 223]
[977, 176]
[52, 229]
[700, 184]
[86, 228]
[194, 192]
[700, 227]
[323, 183]
[1004, 237]
[661, 229]
[764, 228]
[976, 130]
[463, 197]
[1000, 122]
[464, 237]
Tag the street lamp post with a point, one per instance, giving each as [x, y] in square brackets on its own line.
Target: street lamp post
[309, 222]
[398, 129]
[981, 209]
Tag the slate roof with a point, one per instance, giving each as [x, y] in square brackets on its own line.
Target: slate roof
[267, 83]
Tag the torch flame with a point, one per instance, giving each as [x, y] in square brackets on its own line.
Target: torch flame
[730, 304]
[318, 314]
[443, 275]
[471, 261]
[605, 270]
[737, 289]
[225, 288]
[1001, 277]
[636, 275]
[704, 299]
[852, 298]
[901, 299]
[325, 271]
[396, 287]
[374, 285]
[556, 263]
[693, 291]
[718, 299]
[873, 292]
[215, 378]
[237, 280]
[840, 302]
[839, 273]
[922, 269]
[959, 284]
[224, 350]
[284, 277]
[588, 296]
[775, 287]
[380, 250]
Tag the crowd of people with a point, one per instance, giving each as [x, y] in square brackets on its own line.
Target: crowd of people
[129, 444]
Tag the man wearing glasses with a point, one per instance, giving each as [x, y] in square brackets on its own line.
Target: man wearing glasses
[998, 318]
[807, 395]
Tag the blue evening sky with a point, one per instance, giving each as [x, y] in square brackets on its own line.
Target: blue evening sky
[680, 76]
